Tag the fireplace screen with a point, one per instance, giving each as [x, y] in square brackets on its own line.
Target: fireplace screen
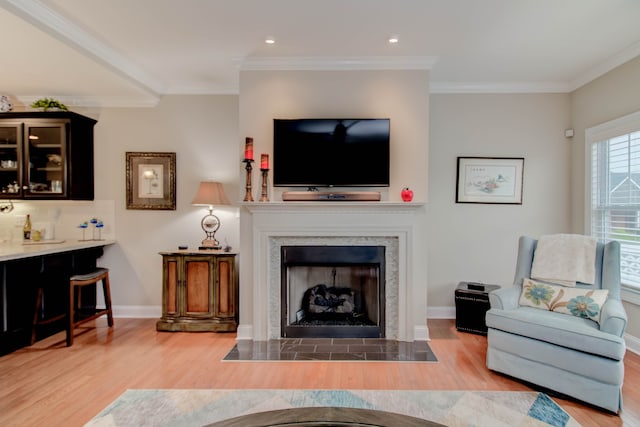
[333, 291]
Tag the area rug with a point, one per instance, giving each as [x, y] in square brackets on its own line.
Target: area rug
[184, 408]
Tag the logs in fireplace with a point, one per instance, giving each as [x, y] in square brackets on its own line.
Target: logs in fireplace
[332, 291]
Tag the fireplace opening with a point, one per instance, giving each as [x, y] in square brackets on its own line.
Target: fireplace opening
[332, 291]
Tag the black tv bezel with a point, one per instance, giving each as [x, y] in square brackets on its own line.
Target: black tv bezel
[324, 183]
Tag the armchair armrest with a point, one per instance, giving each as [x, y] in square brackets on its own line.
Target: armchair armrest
[613, 318]
[505, 298]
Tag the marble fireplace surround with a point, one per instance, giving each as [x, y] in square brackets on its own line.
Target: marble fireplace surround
[276, 224]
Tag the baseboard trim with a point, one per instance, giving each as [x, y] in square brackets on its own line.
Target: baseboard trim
[441, 312]
[245, 332]
[137, 311]
[421, 333]
[633, 343]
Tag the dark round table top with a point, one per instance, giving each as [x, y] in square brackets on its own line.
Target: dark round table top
[324, 417]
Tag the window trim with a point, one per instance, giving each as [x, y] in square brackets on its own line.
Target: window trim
[607, 130]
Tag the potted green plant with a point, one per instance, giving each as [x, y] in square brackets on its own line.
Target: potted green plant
[48, 104]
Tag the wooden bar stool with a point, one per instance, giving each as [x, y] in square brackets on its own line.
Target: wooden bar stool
[38, 316]
[76, 283]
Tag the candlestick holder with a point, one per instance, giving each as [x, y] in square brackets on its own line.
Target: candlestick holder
[264, 197]
[248, 197]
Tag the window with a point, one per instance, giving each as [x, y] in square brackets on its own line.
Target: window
[614, 196]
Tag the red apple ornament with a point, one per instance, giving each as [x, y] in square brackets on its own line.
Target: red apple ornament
[406, 194]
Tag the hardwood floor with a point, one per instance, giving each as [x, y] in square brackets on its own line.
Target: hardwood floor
[50, 384]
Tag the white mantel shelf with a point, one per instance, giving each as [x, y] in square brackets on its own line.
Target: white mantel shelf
[338, 206]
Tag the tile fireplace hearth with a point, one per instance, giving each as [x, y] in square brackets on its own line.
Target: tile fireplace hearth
[396, 227]
[323, 349]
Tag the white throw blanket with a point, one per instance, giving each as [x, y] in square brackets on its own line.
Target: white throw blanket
[565, 259]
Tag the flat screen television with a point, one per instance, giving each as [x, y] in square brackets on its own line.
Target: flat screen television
[331, 152]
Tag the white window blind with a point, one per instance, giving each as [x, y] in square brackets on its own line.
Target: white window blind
[614, 212]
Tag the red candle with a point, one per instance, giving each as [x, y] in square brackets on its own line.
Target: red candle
[264, 161]
[248, 149]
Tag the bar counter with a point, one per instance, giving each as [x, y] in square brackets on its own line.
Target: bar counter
[18, 250]
[26, 270]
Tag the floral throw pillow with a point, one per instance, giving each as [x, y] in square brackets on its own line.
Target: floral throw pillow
[578, 302]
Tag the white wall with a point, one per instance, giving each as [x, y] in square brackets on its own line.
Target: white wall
[478, 242]
[615, 94]
[402, 96]
[466, 242]
[203, 132]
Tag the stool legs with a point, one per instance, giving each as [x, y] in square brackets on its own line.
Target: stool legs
[36, 315]
[71, 315]
[106, 291]
[75, 285]
[37, 321]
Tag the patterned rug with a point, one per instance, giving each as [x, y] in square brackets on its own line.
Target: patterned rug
[183, 408]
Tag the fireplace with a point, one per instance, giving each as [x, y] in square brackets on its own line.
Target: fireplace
[398, 227]
[332, 291]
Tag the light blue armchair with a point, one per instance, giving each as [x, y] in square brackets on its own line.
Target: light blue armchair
[571, 355]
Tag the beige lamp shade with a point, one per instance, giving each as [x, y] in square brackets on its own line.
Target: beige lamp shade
[210, 194]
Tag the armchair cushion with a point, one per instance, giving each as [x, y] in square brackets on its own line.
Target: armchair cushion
[581, 302]
[559, 329]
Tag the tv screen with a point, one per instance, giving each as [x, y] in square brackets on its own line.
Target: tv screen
[331, 152]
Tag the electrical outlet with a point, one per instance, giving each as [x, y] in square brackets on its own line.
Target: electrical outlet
[19, 220]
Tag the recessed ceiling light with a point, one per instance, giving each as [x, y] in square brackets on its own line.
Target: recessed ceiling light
[393, 39]
[269, 40]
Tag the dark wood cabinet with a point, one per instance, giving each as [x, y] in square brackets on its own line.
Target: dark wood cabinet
[46, 155]
[199, 292]
[19, 282]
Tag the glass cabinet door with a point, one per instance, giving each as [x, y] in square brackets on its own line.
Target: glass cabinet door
[46, 159]
[10, 160]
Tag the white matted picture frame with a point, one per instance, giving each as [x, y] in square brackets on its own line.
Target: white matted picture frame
[151, 181]
[495, 180]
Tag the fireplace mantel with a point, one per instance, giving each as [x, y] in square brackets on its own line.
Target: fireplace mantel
[333, 206]
[265, 225]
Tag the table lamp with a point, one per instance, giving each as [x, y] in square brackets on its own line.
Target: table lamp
[210, 194]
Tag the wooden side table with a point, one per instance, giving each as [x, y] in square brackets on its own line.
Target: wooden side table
[199, 291]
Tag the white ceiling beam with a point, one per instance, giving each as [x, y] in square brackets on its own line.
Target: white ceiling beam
[54, 24]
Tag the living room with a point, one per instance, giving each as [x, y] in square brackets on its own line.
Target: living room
[430, 128]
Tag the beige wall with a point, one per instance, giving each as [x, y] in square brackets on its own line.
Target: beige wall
[615, 94]
[478, 242]
[611, 96]
[463, 242]
[402, 96]
[202, 131]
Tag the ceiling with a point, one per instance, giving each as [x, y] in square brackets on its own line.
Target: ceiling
[129, 53]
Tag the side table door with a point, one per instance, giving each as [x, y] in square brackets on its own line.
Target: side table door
[171, 279]
[225, 289]
[198, 286]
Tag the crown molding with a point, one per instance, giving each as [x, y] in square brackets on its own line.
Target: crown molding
[609, 64]
[336, 63]
[96, 101]
[202, 90]
[497, 87]
[54, 24]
